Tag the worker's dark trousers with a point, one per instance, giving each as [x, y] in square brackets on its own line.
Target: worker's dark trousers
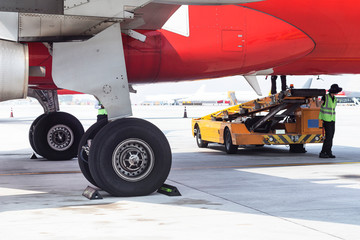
[273, 83]
[101, 117]
[329, 135]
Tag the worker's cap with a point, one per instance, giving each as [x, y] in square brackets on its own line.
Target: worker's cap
[335, 89]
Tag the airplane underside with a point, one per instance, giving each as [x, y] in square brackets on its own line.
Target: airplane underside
[128, 156]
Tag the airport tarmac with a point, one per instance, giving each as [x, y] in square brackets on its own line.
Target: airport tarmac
[258, 193]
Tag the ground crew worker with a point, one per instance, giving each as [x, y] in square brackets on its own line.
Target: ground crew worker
[102, 113]
[273, 83]
[327, 115]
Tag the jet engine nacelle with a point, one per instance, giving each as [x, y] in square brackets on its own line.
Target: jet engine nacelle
[14, 70]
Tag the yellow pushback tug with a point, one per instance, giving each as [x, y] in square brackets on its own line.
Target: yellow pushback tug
[286, 118]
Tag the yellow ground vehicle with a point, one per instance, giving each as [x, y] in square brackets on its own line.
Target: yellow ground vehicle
[288, 118]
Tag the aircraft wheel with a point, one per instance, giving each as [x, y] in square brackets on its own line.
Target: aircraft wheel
[130, 157]
[199, 141]
[84, 149]
[229, 147]
[31, 131]
[57, 135]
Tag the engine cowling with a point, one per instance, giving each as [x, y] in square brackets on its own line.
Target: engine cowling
[14, 70]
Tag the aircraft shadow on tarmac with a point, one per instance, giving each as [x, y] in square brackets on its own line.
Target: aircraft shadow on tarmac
[312, 201]
[326, 199]
[216, 181]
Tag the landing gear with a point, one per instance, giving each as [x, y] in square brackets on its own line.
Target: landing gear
[31, 132]
[129, 157]
[56, 135]
[84, 148]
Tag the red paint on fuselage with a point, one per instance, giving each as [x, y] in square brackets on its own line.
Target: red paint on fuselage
[334, 27]
[39, 55]
[291, 37]
[223, 41]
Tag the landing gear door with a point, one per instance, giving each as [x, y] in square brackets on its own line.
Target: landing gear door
[96, 67]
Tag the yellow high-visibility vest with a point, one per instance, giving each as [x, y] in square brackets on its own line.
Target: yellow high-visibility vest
[102, 111]
[327, 110]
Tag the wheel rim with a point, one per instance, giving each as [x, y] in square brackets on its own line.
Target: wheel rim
[60, 137]
[133, 160]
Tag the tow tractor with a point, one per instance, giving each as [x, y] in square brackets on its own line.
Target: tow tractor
[286, 118]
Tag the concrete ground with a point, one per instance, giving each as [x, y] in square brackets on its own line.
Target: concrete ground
[259, 193]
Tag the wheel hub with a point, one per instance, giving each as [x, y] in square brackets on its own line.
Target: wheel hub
[133, 160]
[60, 137]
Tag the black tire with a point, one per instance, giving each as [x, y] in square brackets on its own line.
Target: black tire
[229, 147]
[297, 148]
[83, 158]
[130, 157]
[31, 131]
[199, 141]
[57, 136]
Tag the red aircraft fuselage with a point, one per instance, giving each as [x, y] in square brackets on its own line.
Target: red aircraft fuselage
[280, 37]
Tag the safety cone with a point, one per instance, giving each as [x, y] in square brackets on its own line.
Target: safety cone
[11, 113]
[185, 114]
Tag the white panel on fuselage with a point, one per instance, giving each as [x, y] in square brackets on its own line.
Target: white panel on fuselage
[179, 22]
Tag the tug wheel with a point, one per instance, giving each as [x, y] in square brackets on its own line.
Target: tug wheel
[230, 148]
[201, 143]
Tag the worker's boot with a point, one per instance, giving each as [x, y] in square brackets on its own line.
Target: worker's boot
[323, 155]
[331, 155]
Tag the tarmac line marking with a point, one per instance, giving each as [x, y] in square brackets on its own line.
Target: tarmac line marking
[267, 165]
